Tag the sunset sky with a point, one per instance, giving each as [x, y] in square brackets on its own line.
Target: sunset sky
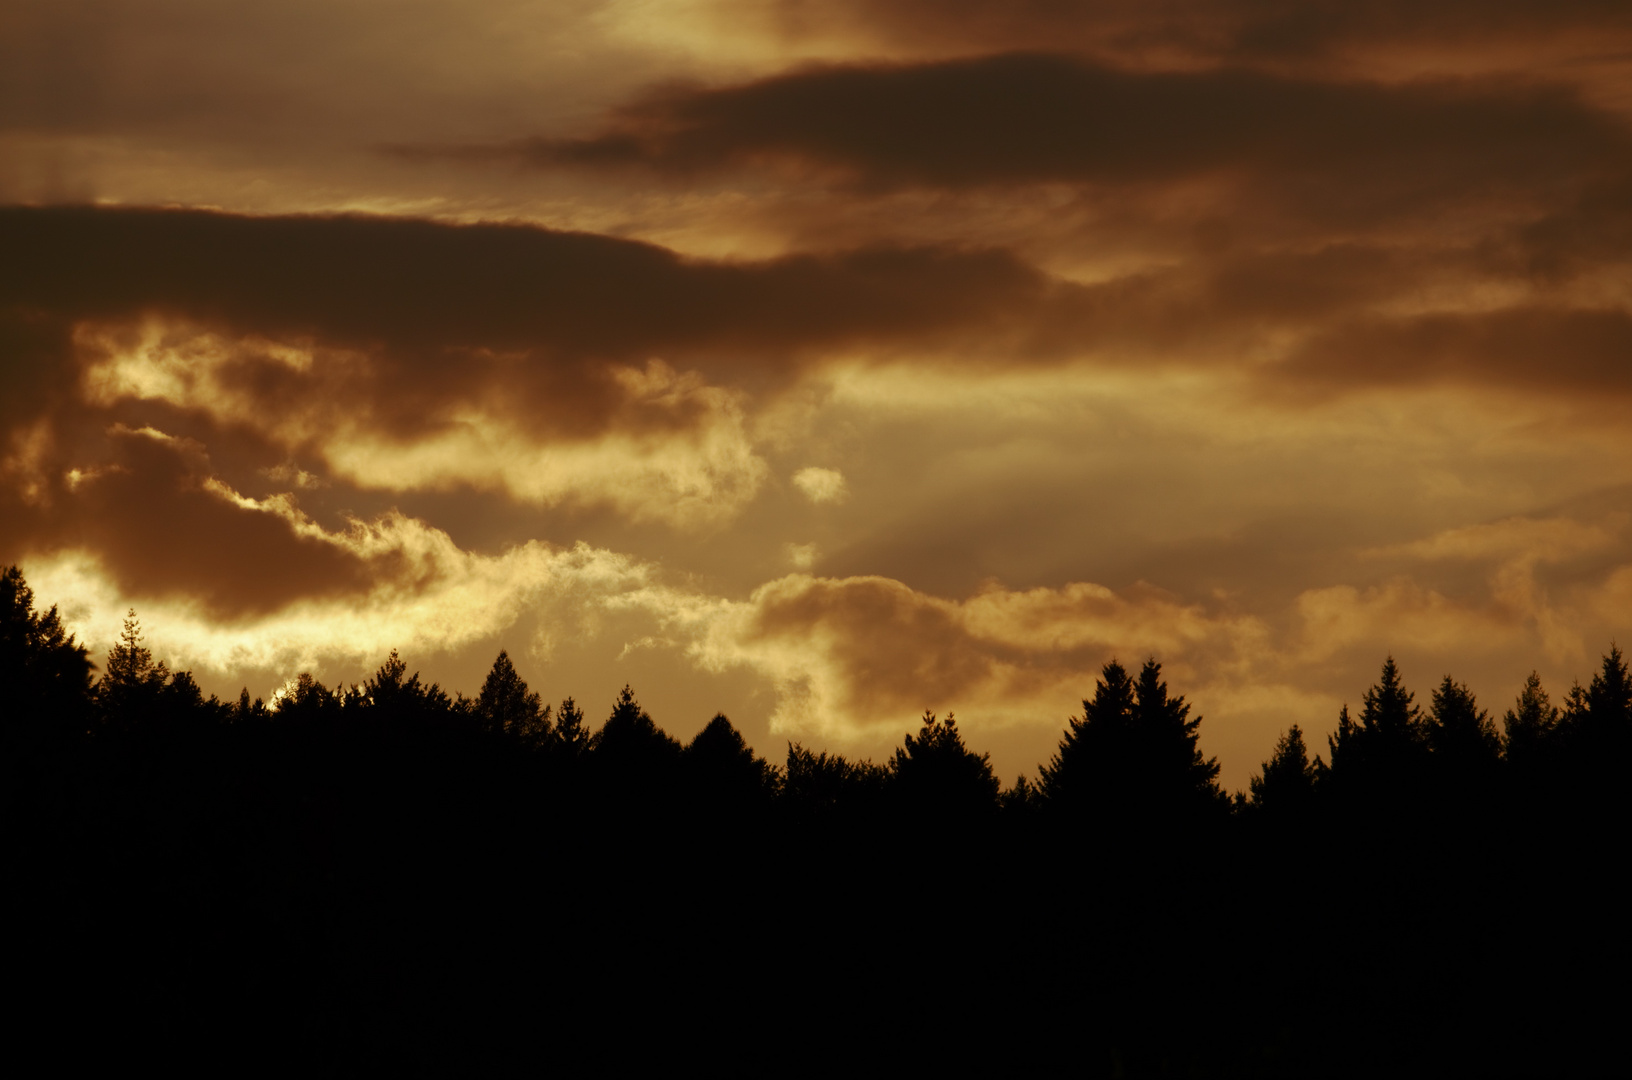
[822, 362]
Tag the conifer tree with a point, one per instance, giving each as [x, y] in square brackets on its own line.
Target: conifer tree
[1609, 695]
[1020, 801]
[1133, 756]
[309, 702]
[935, 772]
[631, 735]
[1285, 784]
[1084, 765]
[394, 694]
[506, 705]
[131, 686]
[724, 769]
[1530, 725]
[1389, 711]
[1597, 721]
[45, 676]
[1461, 735]
[1174, 738]
[827, 784]
[130, 663]
[1387, 747]
[570, 738]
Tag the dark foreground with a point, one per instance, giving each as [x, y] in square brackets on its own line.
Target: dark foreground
[391, 879]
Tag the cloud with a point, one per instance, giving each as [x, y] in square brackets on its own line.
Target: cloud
[802, 556]
[1523, 538]
[407, 355]
[1283, 32]
[437, 598]
[424, 294]
[853, 658]
[1569, 351]
[675, 449]
[1034, 118]
[821, 485]
[162, 527]
[1515, 548]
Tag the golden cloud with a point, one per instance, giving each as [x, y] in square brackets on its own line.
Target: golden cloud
[821, 485]
[440, 598]
[694, 464]
[849, 658]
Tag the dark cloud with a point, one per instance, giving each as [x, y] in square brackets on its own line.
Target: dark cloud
[144, 509]
[412, 324]
[1278, 28]
[1035, 118]
[889, 643]
[1295, 31]
[363, 281]
[521, 319]
[1587, 232]
[1579, 352]
[33, 347]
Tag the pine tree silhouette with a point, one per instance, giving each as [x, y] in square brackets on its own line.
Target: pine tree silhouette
[132, 685]
[725, 773]
[1531, 725]
[1133, 757]
[1286, 783]
[570, 739]
[935, 773]
[506, 706]
[1461, 735]
[1384, 753]
[45, 676]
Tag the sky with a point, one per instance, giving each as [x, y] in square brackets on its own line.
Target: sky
[822, 363]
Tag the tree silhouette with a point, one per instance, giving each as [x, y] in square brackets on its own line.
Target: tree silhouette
[245, 711]
[823, 785]
[724, 771]
[1132, 758]
[132, 685]
[397, 696]
[265, 858]
[1285, 784]
[1531, 724]
[936, 773]
[309, 702]
[570, 739]
[1459, 734]
[45, 676]
[1607, 716]
[631, 733]
[1083, 771]
[1385, 750]
[1022, 800]
[1596, 726]
[506, 706]
[635, 761]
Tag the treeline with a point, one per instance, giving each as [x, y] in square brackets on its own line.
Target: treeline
[386, 873]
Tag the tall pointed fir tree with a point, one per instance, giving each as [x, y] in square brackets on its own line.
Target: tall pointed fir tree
[1385, 752]
[1132, 760]
[1530, 726]
[506, 706]
[1460, 734]
[130, 690]
[45, 676]
[1285, 785]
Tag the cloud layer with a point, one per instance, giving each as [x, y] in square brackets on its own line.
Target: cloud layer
[827, 362]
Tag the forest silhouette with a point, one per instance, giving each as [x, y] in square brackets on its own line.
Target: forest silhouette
[387, 875]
